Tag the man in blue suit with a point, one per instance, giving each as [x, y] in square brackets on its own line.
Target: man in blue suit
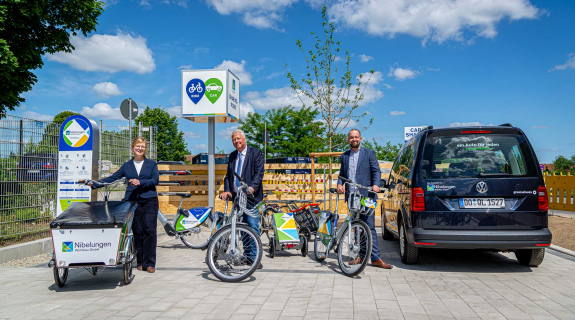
[360, 166]
[248, 162]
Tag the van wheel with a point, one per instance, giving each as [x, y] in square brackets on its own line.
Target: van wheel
[409, 253]
[386, 234]
[530, 257]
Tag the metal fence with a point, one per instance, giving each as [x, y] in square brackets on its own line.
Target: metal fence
[29, 175]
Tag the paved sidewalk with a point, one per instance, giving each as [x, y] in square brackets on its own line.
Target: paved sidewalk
[447, 284]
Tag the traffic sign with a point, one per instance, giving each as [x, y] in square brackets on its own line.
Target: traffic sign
[125, 109]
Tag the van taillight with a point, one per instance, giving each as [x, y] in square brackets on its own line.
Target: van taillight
[542, 198]
[417, 199]
[475, 131]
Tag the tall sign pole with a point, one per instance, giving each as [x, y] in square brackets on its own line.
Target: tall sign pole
[129, 110]
[210, 96]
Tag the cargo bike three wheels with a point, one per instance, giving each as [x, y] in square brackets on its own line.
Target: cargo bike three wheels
[93, 235]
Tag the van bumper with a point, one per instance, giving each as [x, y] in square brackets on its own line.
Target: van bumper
[480, 239]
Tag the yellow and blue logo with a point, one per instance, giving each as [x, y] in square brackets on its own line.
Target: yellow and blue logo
[67, 246]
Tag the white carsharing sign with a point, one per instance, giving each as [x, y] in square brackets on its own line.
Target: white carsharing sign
[411, 132]
[210, 94]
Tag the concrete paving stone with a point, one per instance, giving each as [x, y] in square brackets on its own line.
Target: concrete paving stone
[340, 313]
[415, 316]
[387, 305]
[268, 315]
[563, 314]
[293, 312]
[366, 315]
[390, 315]
[543, 317]
[252, 309]
[106, 314]
[256, 299]
[221, 313]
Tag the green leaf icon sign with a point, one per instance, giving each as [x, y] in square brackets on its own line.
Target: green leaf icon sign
[214, 89]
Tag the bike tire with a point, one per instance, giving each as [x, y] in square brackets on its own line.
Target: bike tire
[319, 248]
[272, 247]
[60, 276]
[200, 239]
[233, 268]
[304, 244]
[128, 264]
[348, 262]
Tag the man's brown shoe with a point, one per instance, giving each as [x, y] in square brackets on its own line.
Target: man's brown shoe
[140, 268]
[380, 264]
[151, 269]
[355, 261]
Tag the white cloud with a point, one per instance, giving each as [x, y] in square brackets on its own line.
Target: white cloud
[396, 113]
[185, 67]
[175, 111]
[106, 89]
[466, 124]
[239, 69]
[262, 14]
[37, 116]
[374, 78]
[202, 50]
[435, 20]
[108, 53]
[227, 132]
[286, 96]
[201, 147]
[274, 98]
[102, 111]
[539, 127]
[192, 135]
[245, 109]
[569, 64]
[401, 74]
[365, 58]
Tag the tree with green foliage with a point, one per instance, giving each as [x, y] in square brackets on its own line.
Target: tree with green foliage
[386, 152]
[31, 29]
[564, 165]
[291, 131]
[169, 138]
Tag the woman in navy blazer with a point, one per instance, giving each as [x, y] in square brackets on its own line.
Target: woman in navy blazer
[142, 176]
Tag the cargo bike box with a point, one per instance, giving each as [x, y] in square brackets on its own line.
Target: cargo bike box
[93, 235]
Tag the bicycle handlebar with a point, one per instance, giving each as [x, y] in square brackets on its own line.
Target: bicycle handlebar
[359, 186]
[242, 182]
[98, 183]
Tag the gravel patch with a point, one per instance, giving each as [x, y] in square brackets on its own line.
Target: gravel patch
[28, 262]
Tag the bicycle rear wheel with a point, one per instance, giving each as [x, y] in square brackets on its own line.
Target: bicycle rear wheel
[198, 237]
[352, 256]
[233, 263]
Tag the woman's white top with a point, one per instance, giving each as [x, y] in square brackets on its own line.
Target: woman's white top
[138, 165]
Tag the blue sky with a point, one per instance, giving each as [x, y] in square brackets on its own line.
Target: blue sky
[441, 63]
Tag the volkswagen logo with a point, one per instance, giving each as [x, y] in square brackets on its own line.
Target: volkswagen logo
[481, 187]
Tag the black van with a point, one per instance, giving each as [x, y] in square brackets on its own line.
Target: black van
[468, 188]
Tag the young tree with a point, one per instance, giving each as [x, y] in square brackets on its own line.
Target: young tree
[291, 131]
[169, 139]
[30, 29]
[332, 93]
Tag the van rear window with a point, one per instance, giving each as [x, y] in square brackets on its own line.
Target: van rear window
[477, 155]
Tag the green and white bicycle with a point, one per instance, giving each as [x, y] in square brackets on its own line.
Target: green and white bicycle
[353, 240]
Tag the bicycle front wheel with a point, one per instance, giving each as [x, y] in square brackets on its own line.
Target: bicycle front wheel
[231, 262]
[352, 255]
[198, 237]
[320, 246]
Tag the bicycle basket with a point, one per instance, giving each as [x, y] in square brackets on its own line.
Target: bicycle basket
[367, 206]
[305, 217]
[354, 202]
[247, 204]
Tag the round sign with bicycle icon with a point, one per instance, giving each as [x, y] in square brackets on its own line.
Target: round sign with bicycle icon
[195, 90]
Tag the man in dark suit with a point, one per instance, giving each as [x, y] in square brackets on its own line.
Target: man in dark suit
[248, 162]
[360, 165]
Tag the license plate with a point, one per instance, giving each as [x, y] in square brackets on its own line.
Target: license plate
[482, 203]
